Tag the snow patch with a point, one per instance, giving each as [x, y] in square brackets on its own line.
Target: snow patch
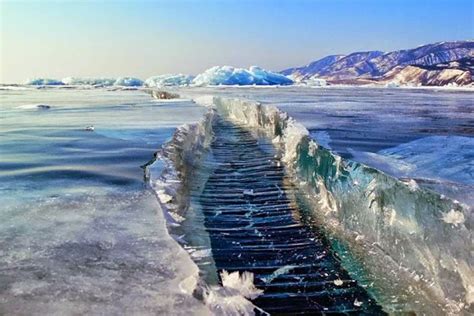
[454, 217]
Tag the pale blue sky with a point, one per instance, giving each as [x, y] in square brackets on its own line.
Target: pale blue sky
[143, 38]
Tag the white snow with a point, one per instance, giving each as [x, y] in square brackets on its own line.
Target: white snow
[227, 75]
[169, 80]
[454, 217]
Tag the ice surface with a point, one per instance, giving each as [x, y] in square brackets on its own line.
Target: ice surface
[34, 107]
[368, 120]
[80, 232]
[43, 81]
[227, 75]
[445, 157]
[350, 197]
[169, 80]
[128, 82]
[440, 162]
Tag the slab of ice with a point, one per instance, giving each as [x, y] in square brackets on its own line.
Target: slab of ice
[169, 80]
[349, 197]
[128, 82]
[43, 82]
[227, 75]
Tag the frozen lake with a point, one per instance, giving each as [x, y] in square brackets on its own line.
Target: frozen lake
[80, 233]
[424, 134]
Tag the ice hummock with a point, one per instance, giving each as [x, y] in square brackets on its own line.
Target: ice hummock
[128, 82]
[169, 80]
[43, 82]
[89, 81]
[227, 75]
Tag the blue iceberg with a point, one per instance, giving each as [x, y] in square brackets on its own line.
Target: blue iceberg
[76, 81]
[43, 82]
[128, 82]
[227, 75]
[169, 80]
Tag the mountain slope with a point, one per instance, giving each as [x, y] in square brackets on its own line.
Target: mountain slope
[457, 72]
[363, 67]
[312, 68]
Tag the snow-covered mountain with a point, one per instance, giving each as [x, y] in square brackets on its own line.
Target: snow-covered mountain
[457, 72]
[363, 67]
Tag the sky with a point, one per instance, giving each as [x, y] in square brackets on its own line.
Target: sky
[107, 38]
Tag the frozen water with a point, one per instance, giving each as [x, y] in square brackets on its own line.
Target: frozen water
[403, 226]
[227, 75]
[169, 80]
[79, 230]
[358, 123]
[432, 160]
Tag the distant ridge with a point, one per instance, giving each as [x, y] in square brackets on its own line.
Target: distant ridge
[440, 63]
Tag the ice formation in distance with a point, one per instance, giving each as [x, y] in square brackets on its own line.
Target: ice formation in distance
[89, 81]
[43, 82]
[128, 82]
[227, 75]
[169, 80]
